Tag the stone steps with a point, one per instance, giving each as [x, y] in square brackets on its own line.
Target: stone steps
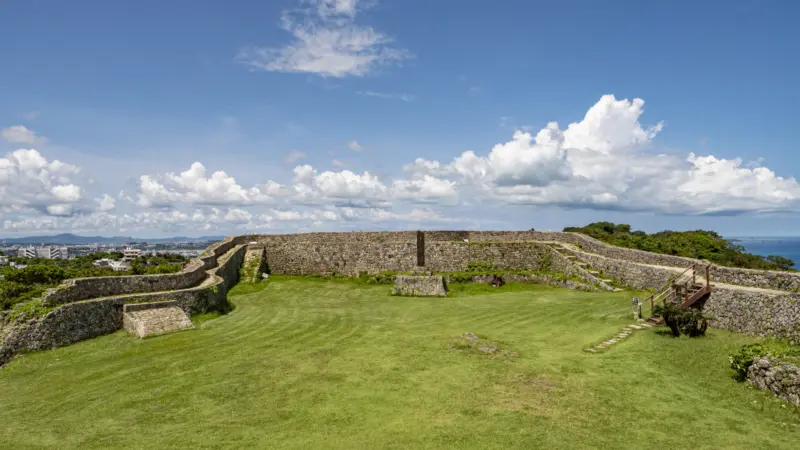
[621, 336]
[583, 265]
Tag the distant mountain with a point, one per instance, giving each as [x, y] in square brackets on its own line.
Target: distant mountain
[71, 239]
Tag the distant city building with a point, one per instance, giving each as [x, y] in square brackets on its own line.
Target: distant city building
[44, 252]
[131, 253]
[27, 252]
[3, 260]
[18, 265]
[117, 266]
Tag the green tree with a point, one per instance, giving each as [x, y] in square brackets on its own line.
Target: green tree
[784, 263]
[37, 274]
[698, 244]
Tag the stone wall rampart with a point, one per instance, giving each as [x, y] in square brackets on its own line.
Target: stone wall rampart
[80, 320]
[755, 313]
[637, 276]
[193, 274]
[340, 253]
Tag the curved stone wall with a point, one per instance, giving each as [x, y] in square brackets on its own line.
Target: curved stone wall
[86, 288]
[80, 320]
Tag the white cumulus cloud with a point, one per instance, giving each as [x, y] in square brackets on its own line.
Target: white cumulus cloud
[604, 161]
[29, 181]
[196, 186]
[20, 134]
[326, 42]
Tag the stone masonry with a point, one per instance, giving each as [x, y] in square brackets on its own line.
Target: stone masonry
[80, 320]
[149, 319]
[420, 286]
[780, 378]
[749, 301]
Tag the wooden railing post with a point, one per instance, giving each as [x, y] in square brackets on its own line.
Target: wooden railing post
[708, 275]
[694, 273]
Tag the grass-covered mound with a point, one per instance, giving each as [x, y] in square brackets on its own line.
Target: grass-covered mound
[333, 364]
[698, 244]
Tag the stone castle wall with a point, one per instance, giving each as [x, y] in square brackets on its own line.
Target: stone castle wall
[93, 306]
[80, 320]
[635, 275]
[348, 253]
[194, 273]
[754, 312]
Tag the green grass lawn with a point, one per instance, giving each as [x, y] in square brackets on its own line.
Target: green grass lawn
[329, 364]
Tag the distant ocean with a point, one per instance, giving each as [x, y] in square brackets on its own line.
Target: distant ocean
[788, 247]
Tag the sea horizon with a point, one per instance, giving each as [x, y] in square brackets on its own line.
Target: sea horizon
[786, 246]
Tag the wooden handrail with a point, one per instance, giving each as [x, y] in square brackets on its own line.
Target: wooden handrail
[669, 290]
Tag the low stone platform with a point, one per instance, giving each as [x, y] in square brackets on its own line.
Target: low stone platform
[420, 286]
[149, 319]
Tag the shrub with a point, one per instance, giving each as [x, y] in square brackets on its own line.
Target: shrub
[37, 274]
[689, 321]
[546, 261]
[743, 359]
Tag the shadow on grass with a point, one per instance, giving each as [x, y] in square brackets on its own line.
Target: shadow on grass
[665, 332]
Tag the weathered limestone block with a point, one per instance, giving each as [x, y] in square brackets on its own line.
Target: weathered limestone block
[148, 319]
[420, 286]
[254, 263]
[780, 378]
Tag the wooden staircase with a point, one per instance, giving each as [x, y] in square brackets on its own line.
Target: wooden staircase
[691, 286]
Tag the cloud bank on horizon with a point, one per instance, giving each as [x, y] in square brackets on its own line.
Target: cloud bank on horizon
[604, 161]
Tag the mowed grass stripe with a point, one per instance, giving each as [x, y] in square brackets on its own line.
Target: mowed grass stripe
[305, 363]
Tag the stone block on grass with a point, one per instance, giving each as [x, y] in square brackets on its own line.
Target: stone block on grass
[420, 286]
[149, 319]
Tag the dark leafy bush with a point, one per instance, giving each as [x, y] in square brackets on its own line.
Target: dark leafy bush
[12, 293]
[37, 274]
[688, 321]
[743, 359]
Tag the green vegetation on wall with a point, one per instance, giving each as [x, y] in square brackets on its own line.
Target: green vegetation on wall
[698, 244]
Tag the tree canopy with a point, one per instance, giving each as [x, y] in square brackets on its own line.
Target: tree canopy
[698, 244]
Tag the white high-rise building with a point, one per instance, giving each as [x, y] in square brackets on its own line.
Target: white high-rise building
[27, 252]
[44, 252]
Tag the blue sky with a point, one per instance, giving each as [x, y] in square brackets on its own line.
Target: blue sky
[317, 110]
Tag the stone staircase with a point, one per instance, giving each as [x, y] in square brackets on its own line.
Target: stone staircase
[604, 280]
[149, 319]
